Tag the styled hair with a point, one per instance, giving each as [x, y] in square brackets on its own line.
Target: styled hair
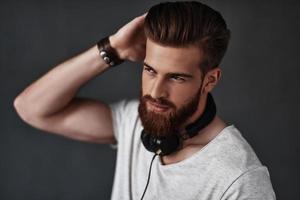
[181, 24]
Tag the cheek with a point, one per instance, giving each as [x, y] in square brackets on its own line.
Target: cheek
[145, 84]
[182, 94]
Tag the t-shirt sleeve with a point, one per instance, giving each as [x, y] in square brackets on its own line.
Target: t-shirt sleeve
[121, 111]
[254, 184]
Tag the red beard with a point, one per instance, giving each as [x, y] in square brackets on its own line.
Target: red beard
[168, 122]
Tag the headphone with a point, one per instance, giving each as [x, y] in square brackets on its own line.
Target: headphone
[168, 144]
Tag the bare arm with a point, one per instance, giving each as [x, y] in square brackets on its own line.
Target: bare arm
[50, 103]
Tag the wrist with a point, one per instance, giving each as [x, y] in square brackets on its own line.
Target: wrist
[115, 45]
[109, 53]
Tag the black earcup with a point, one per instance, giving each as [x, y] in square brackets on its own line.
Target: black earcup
[160, 145]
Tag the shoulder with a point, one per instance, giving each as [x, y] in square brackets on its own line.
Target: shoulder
[237, 165]
[235, 152]
[124, 106]
[254, 183]
[230, 154]
[241, 166]
[124, 114]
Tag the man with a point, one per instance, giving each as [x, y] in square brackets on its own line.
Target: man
[181, 45]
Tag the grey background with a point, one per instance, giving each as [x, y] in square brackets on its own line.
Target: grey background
[257, 93]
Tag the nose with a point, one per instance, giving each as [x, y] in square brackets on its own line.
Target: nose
[159, 89]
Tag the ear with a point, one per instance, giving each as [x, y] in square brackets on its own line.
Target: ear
[211, 79]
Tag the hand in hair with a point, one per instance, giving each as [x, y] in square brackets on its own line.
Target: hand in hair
[130, 40]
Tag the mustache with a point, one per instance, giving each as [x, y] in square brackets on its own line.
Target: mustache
[162, 101]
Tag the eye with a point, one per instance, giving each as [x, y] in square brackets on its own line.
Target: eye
[178, 79]
[149, 71]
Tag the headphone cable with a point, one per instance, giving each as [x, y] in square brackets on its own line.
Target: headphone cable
[148, 176]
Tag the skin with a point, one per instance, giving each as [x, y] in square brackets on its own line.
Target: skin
[50, 103]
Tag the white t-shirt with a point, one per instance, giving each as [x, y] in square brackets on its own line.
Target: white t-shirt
[226, 168]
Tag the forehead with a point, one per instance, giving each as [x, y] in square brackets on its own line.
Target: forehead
[167, 58]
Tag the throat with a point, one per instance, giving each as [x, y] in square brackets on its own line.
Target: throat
[180, 155]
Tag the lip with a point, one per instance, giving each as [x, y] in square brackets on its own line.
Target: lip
[158, 107]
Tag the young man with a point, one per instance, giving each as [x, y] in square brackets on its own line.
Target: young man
[181, 45]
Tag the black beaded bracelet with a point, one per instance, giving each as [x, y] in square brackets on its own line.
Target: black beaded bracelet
[107, 53]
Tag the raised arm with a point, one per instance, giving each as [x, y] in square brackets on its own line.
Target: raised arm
[50, 103]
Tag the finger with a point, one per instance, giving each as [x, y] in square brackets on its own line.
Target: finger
[140, 19]
[143, 15]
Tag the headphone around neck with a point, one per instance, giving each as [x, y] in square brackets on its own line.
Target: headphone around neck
[167, 145]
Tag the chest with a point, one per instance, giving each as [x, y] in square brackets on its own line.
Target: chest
[182, 180]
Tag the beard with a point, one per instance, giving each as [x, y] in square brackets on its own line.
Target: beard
[166, 123]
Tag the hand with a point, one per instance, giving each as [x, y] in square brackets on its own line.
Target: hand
[130, 40]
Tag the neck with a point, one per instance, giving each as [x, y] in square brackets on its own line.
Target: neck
[199, 112]
[205, 135]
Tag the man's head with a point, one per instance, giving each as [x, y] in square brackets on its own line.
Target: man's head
[185, 44]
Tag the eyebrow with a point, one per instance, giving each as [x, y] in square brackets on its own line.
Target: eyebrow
[172, 73]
